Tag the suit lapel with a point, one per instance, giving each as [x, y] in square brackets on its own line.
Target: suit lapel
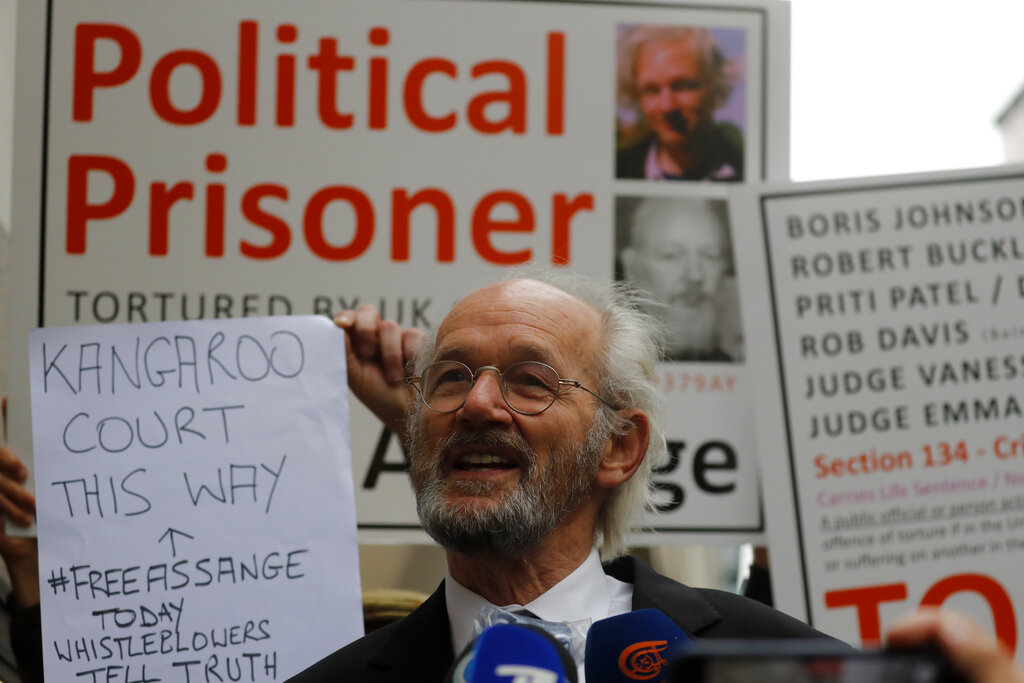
[682, 604]
[420, 648]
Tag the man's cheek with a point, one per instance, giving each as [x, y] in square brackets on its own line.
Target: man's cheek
[714, 282]
[650, 111]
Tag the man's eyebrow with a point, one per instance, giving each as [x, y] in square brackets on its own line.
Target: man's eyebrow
[519, 352]
[532, 352]
[450, 353]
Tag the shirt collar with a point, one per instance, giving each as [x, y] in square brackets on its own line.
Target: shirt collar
[652, 171]
[586, 593]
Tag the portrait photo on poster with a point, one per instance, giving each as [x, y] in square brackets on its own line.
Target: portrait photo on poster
[680, 109]
[679, 251]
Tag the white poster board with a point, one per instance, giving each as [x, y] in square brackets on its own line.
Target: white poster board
[194, 160]
[888, 372]
[195, 506]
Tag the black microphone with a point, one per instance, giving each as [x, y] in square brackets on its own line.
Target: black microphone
[514, 653]
[636, 646]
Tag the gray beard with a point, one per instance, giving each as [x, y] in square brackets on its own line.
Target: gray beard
[524, 516]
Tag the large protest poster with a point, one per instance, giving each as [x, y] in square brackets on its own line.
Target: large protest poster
[193, 160]
[888, 373]
[195, 502]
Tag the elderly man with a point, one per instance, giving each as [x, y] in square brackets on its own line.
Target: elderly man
[677, 78]
[531, 444]
[679, 252]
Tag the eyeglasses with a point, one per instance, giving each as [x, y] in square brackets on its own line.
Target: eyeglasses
[528, 387]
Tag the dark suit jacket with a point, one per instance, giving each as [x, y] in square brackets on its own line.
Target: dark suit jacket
[419, 647]
[719, 146]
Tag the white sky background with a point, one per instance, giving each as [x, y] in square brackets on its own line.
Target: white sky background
[899, 86]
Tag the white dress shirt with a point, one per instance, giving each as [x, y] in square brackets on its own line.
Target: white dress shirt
[585, 594]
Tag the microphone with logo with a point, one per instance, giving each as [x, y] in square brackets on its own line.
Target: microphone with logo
[636, 646]
[514, 653]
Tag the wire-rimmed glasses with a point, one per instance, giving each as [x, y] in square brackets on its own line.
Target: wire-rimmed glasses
[528, 387]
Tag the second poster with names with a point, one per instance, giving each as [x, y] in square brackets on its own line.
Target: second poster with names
[889, 384]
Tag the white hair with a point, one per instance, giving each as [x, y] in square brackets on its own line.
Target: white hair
[719, 74]
[631, 344]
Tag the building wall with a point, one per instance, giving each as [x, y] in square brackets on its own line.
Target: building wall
[7, 37]
[1011, 126]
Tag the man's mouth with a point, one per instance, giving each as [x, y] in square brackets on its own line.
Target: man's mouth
[491, 451]
[691, 298]
[471, 462]
[677, 121]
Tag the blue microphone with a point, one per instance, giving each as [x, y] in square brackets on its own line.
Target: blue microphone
[514, 653]
[631, 647]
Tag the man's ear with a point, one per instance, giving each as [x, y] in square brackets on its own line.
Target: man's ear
[625, 453]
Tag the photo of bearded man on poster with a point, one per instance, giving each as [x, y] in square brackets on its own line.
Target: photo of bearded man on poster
[674, 83]
[679, 252]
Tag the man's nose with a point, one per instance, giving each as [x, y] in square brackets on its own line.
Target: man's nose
[690, 268]
[485, 403]
[664, 100]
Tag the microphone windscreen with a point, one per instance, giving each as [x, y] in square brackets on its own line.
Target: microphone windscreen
[514, 653]
[636, 646]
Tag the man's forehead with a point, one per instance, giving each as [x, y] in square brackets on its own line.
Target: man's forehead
[523, 317]
[679, 53]
[658, 223]
[516, 351]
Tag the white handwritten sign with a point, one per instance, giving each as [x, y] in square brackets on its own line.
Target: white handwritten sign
[196, 515]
